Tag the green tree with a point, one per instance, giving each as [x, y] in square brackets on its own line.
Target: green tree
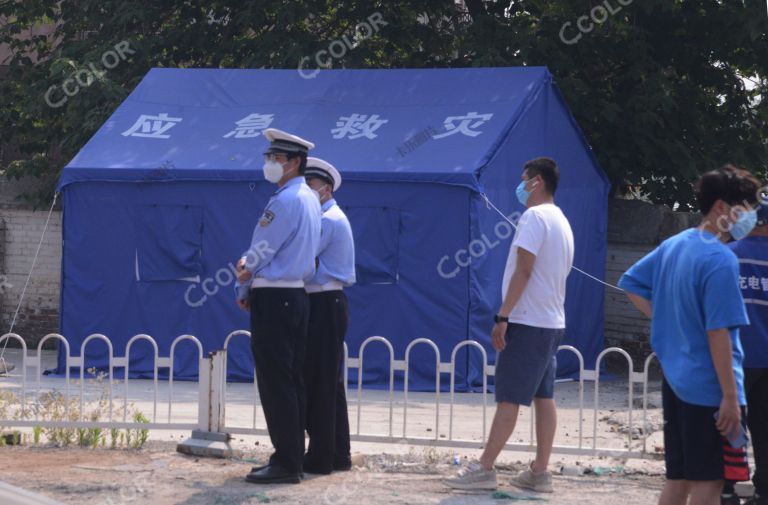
[658, 86]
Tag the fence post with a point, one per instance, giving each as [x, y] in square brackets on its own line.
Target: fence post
[207, 440]
[216, 393]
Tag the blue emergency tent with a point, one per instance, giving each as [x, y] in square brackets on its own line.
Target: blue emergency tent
[165, 195]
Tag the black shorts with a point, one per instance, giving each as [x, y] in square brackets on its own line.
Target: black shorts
[693, 448]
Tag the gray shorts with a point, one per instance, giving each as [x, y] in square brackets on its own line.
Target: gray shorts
[526, 368]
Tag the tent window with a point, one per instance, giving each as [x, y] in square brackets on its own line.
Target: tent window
[169, 242]
[377, 244]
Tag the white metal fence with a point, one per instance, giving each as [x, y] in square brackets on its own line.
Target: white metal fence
[212, 394]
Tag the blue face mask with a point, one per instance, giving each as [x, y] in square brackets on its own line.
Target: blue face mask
[743, 225]
[522, 194]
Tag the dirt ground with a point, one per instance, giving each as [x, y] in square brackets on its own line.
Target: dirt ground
[158, 475]
[388, 473]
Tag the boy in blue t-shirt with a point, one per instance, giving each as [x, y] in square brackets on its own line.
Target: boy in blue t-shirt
[689, 287]
[753, 259]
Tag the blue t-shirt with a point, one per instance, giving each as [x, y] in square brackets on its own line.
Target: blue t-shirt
[753, 260]
[692, 281]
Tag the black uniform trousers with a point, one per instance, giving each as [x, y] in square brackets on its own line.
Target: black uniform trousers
[279, 318]
[327, 421]
[756, 388]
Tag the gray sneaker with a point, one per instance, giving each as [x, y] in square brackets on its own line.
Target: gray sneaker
[538, 482]
[473, 476]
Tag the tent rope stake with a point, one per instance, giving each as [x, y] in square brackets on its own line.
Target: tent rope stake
[491, 205]
[29, 276]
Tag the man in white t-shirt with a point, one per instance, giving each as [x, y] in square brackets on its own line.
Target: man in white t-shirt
[528, 329]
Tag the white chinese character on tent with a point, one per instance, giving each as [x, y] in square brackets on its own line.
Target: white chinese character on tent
[764, 282]
[754, 282]
[742, 282]
[153, 127]
[467, 125]
[358, 125]
[251, 126]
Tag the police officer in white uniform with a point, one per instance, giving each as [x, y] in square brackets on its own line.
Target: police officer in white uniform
[271, 283]
[327, 421]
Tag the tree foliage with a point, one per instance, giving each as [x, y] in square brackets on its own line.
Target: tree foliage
[663, 89]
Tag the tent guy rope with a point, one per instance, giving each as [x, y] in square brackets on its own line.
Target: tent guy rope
[29, 276]
[491, 205]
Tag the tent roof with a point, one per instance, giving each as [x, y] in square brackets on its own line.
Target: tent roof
[434, 125]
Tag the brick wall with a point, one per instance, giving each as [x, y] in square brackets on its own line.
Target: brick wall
[634, 229]
[21, 226]
[625, 326]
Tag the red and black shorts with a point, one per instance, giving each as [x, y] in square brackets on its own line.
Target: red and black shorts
[693, 448]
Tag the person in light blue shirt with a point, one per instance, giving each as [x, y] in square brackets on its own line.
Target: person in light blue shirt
[271, 277]
[689, 287]
[327, 421]
[281, 238]
[336, 254]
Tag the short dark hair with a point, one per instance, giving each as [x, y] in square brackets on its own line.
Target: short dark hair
[730, 184]
[302, 161]
[547, 169]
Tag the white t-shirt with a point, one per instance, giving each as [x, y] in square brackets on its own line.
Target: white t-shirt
[543, 231]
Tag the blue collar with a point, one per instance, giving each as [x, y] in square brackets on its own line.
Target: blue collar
[299, 179]
[328, 204]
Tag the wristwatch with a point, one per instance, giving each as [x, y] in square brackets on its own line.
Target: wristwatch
[500, 319]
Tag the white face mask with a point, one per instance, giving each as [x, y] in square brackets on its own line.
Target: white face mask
[273, 171]
[317, 192]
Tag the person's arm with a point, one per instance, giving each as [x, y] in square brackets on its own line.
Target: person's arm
[523, 271]
[241, 294]
[327, 230]
[529, 238]
[326, 235]
[722, 357]
[724, 310]
[642, 304]
[637, 283]
[269, 235]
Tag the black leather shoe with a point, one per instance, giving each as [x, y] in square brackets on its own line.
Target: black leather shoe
[262, 467]
[270, 461]
[273, 474]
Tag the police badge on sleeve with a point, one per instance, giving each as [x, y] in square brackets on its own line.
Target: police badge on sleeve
[266, 218]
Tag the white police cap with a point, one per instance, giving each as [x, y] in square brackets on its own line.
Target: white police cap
[283, 142]
[324, 170]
